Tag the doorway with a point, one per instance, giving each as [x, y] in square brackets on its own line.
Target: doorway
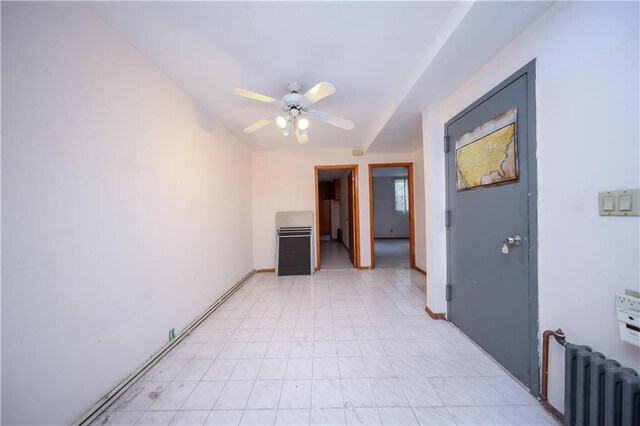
[391, 215]
[492, 233]
[337, 222]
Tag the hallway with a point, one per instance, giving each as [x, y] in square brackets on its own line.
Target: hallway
[334, 255]
[340, 347]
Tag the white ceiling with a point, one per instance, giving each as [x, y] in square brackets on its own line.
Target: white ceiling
[376, 54]
[476, 33]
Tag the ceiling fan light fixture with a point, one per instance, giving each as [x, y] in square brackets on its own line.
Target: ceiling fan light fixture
[303, 124]
[301, 136]
[281, 122]
[294, 108]
[287, 129]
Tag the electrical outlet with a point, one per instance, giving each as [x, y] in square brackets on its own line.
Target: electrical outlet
[172, 334]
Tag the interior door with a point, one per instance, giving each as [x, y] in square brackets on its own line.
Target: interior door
[350, 218]
[493, 295]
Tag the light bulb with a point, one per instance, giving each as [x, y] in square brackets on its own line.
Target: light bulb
[287, 129]
[281, 122]
[303, 124]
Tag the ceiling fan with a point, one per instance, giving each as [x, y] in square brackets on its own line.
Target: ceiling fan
[295, 110]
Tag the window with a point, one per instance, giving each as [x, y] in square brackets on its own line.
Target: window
[402, 195]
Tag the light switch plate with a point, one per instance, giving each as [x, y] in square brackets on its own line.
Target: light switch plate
[625, 202]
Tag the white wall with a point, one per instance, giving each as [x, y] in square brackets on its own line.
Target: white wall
[125, 211]
[387, 221]
[587, 141]
[419, 209]
[434, 184]
[284, 180]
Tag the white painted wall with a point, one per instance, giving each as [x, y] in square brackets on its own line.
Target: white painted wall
[125, 210]
[587, 134]
[284, 180]
[435, 202]
[387, 221]
[419, 209]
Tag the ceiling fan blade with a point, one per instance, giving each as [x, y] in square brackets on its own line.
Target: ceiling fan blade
[343, 123]
[302, 139]
[256, 96]
[319, 91]
[258, 124]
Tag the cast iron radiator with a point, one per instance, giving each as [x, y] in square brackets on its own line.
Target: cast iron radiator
[599, 391]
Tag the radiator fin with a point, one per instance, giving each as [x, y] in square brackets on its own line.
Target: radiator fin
[597, 386]
[598, 391]
[631, 401]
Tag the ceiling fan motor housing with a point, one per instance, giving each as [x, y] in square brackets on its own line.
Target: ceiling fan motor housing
[292, 99]
[294, 86]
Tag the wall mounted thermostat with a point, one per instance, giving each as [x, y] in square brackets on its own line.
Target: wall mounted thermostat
[628, 308]
[619, 203]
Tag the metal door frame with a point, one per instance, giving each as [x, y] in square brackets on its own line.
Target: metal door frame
[529, 70]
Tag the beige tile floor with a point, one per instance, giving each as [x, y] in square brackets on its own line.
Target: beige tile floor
[341, 347]
[334, 255]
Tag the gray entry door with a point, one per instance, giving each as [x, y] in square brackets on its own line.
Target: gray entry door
[493, 296]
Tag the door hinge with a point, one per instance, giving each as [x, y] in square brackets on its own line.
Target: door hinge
[448, 292]
[447, 218]
[446, 143]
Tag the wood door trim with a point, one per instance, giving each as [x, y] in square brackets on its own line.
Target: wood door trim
[412, 225]
[422, 271]
[436, 316]
[356, 207]
[352, 214]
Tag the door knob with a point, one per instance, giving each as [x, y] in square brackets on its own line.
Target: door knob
[514, 240]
